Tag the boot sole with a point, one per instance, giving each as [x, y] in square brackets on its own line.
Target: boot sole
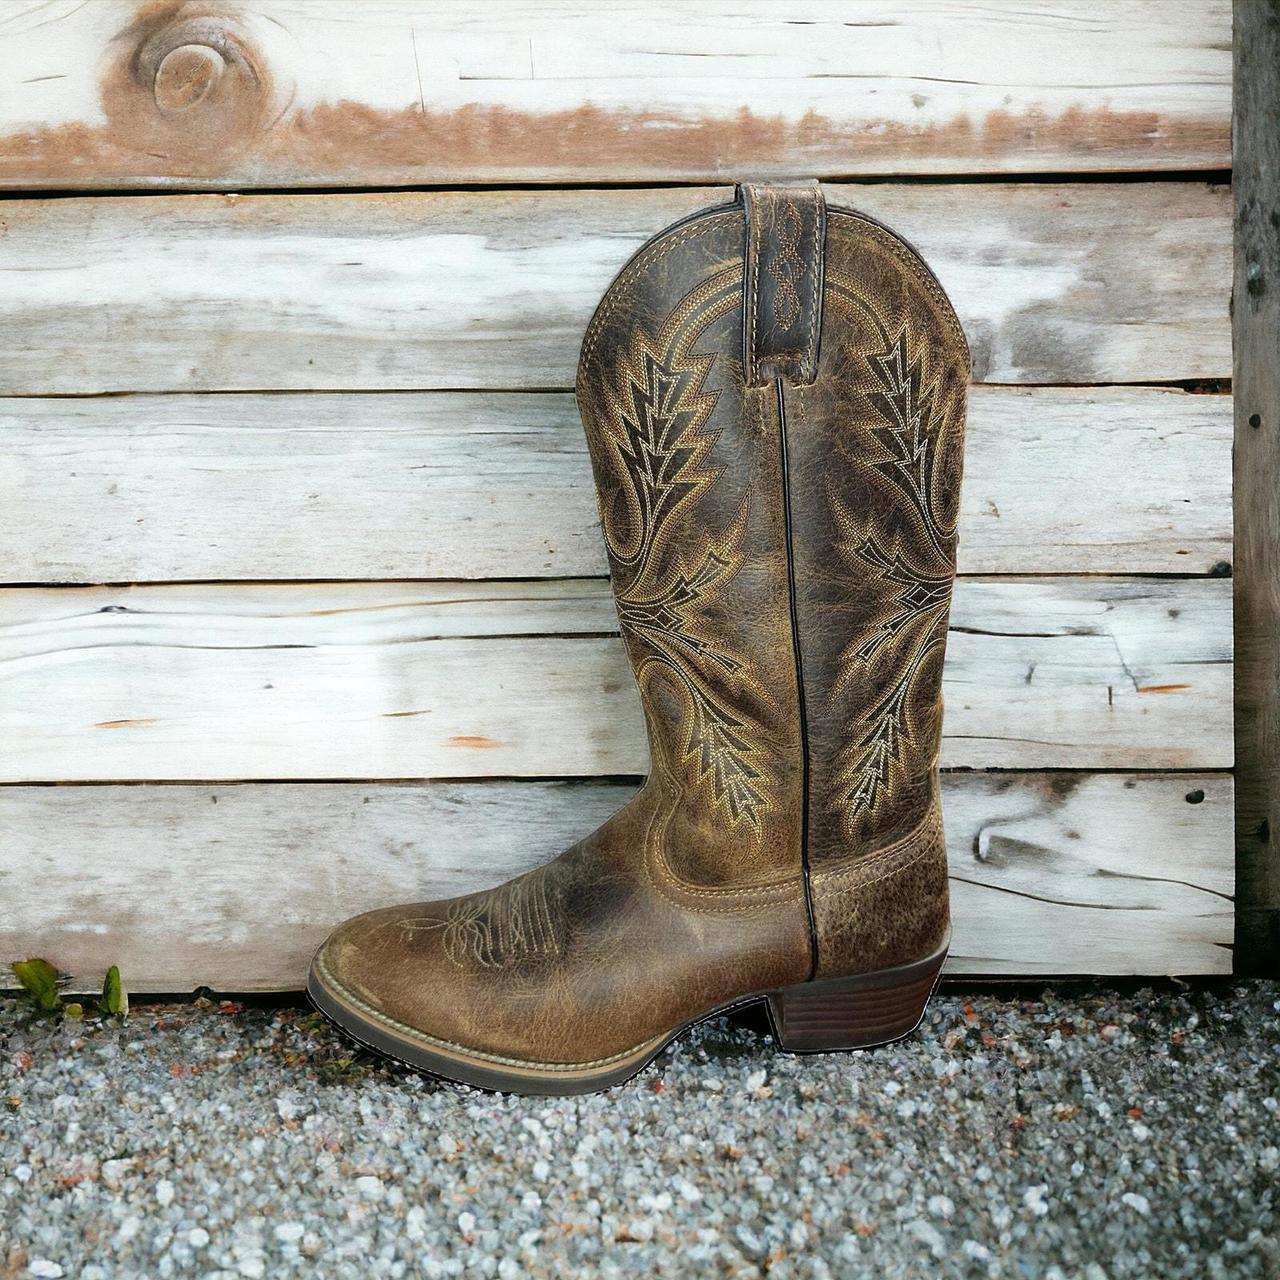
[831, 1015]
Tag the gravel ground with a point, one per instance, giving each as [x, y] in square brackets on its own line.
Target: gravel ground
[1089, 1133]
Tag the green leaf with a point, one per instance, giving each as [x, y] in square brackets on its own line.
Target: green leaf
[73, 1011]
[40, 981]
[115, 999]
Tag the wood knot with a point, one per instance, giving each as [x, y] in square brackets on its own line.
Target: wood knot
[189, 87]
[186, 76]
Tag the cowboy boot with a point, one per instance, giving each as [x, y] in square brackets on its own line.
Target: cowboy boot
[774, 398]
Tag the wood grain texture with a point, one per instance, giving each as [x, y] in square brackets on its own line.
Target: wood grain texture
[417, 680]
[476, 485]
[1257, 480]
[415, 93]
[234, 886]
[1083, 283]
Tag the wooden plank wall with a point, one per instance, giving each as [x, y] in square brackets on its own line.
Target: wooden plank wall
[304, 608]
[1256, 317]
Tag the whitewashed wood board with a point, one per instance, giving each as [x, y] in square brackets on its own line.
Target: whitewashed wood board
[1083, 283]
[389, 93]
[233, 886]
[497, 484]
[517, 679]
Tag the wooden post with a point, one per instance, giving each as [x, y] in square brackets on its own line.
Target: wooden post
[1256, 384]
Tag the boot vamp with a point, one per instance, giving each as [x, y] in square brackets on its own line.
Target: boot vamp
[584, 959]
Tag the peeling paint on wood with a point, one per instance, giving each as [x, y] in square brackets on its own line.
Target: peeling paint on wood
[1059, 283]
[275, 93]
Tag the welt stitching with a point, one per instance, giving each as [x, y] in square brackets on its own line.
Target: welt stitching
[440, 1042]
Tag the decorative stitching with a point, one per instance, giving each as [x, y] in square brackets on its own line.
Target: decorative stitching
[753, 243]
[515, 922]
[903, 251]
[650, 253]
[773, 893]
[915, 579]
[654, 420]
[787, 268]
[855, 865]
[809, 361]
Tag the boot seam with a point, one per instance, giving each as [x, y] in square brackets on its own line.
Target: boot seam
[798, 660]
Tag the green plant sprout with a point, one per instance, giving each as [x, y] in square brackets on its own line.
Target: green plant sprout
[41, 982]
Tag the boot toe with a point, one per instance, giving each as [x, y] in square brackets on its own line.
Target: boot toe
[359, 972]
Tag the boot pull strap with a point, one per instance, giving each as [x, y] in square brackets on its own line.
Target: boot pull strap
[782, 292]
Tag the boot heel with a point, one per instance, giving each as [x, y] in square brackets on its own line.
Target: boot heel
[857, 1012]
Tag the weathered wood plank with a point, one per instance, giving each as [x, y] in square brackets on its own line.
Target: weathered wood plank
[550, 92]
[233, 886]
[1067, 283]
[1257, 479]
[414, 680]
[475, 485]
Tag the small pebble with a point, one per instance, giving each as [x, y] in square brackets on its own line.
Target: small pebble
[1138, 1203]
[941, 1206]
[369, 1188]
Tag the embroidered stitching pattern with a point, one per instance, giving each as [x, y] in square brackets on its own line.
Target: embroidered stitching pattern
[809, 362]
[720, 900]
[912, 574]
[753, 301]
[514, 922]
[654, 423]
[787, 269]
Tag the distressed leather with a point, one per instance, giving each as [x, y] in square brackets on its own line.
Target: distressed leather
[782, 286]
[876, 446]
[778, 497]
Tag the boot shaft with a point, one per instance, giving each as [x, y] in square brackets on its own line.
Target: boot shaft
[774, 396]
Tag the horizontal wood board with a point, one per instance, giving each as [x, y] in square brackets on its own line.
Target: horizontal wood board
[233, 887]
[417, 680]
[498, 484]
[1054, 283]
[389, 94]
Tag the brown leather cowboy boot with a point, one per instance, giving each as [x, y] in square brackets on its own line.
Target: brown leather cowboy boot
[774, 397]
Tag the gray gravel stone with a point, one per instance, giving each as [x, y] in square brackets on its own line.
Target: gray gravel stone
[1085, 1135]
